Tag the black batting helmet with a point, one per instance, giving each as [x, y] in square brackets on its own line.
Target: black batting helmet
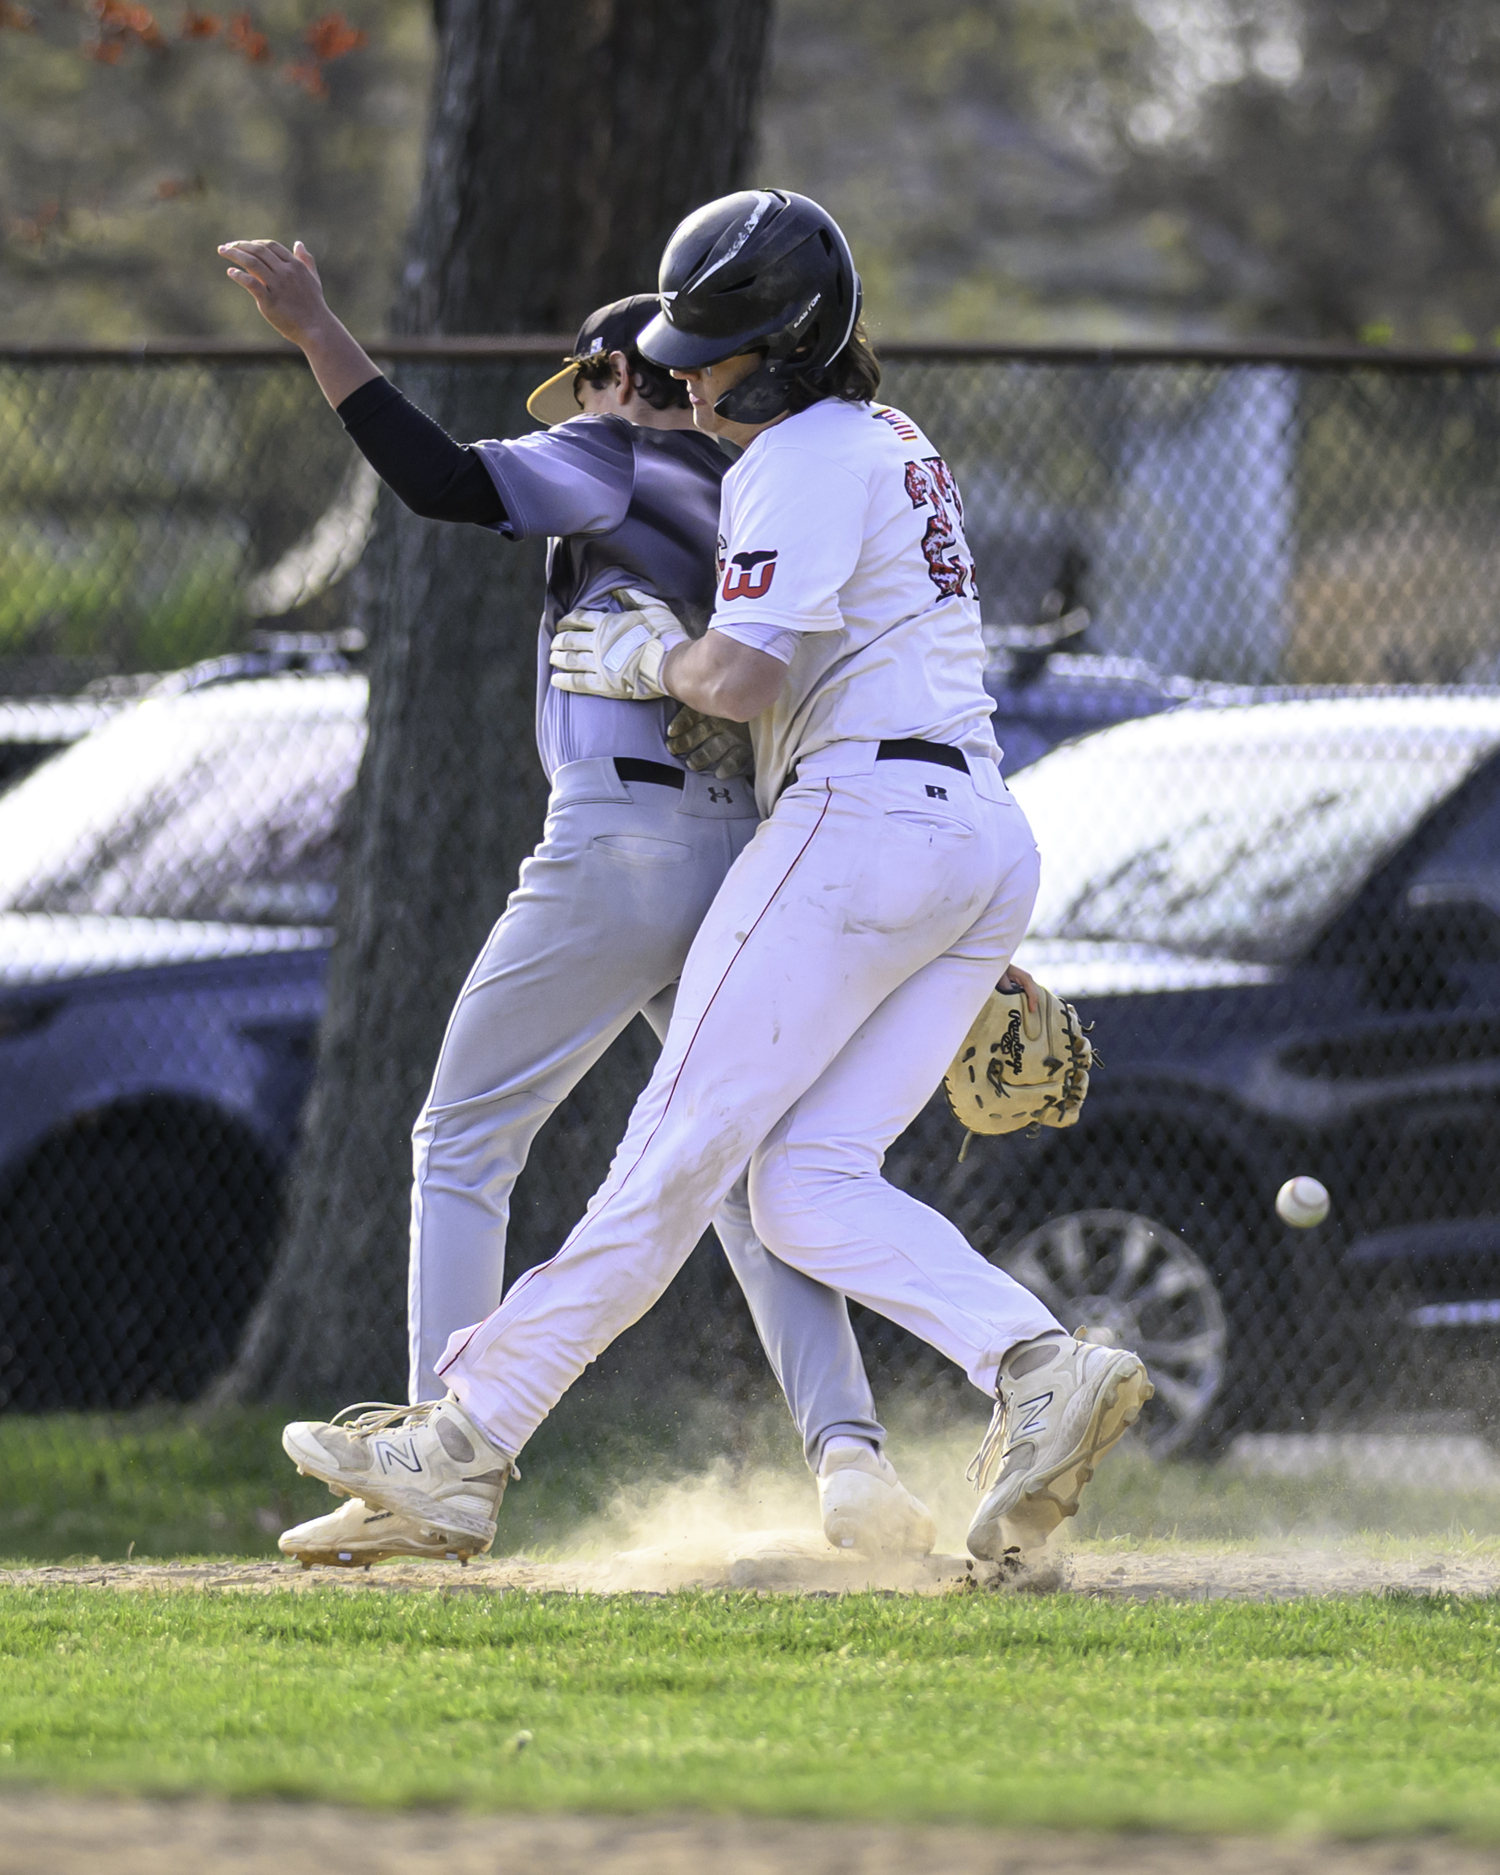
[761, 270]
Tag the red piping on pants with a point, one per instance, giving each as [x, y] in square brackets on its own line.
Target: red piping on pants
[444, 1366]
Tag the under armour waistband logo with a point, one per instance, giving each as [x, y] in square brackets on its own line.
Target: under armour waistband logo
[720, 794]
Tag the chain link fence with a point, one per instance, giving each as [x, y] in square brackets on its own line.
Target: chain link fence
[1243, 618]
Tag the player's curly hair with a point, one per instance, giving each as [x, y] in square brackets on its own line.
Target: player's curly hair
[853, 377]
[653, 382]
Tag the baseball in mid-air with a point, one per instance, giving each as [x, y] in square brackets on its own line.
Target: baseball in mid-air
[1302, 1202]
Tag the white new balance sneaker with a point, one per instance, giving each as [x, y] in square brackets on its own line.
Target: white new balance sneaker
[356, 1535]
[867, 1508]
[1063, 1405]
[430, 1462]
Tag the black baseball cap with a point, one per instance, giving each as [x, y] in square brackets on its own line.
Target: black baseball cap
[612, 328]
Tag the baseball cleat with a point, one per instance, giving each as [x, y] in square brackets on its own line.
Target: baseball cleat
[356, 1535]
[1063, 1405]
[867, 1508]
[429, 1462]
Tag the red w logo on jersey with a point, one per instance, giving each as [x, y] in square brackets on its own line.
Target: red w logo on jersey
[749, 583]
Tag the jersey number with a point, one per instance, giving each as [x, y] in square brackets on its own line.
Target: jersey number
[930, 483]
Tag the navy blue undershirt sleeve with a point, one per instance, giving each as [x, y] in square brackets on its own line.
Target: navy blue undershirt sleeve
[417, 459]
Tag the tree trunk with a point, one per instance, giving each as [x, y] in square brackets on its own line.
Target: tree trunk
[567, 138]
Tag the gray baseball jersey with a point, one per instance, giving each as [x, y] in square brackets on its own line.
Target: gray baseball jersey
[623, 506]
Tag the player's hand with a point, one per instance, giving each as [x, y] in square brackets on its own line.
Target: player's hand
[710, 742]
[284, 284]
[1016, 978]
[619, 653]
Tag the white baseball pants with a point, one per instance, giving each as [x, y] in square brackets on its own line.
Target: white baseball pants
[829, 986]
[596, 932]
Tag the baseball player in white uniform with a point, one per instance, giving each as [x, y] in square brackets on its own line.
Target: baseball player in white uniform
[635, 847]
[853, 941]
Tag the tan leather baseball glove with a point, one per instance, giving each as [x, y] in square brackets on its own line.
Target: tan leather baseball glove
[1016, 1069]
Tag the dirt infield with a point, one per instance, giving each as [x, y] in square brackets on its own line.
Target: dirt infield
[790, 1563]
[51, 1835]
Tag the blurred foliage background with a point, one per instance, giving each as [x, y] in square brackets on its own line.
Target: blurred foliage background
[1109, 169]
[134, 139]
[1007, 169]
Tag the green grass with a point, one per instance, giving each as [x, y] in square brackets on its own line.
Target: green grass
[115, 588]
[1364, 1715]
[161, 1481]
[175, 1481]
[1134, 1498]
[1360, 1715]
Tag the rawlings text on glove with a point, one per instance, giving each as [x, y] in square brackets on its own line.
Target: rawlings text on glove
[616, 654]
[1017, 1069]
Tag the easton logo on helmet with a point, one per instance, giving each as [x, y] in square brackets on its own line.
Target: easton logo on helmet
[751, 224]
[747, 583]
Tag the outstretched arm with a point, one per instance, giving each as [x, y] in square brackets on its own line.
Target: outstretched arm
[417, 459]
[414, 456]
[284, 284]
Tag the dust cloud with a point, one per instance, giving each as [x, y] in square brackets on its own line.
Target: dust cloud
[755, 1522]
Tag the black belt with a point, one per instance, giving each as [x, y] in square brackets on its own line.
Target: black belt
[635, 768]
[910, 749]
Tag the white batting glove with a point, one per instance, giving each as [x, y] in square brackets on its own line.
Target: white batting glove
[616, 654]
[714, 742]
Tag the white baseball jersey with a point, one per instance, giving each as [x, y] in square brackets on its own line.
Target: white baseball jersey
[847, 952]
[844, 526]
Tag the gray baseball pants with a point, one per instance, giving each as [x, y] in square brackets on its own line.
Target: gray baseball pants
[594, 934]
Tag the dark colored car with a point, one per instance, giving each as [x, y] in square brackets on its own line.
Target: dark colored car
[1283, 921]
[166, 886]
[1047, 690]
[1283, 918]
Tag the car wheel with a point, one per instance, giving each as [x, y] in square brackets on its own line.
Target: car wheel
[1122, 1279]
[131, 1251]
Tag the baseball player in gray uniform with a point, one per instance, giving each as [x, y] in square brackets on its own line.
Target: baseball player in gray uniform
[636, 845]
[852, 943]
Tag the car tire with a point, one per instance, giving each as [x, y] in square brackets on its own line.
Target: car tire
[1273, 1288]
[1123, 1279]
[132, 1249]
